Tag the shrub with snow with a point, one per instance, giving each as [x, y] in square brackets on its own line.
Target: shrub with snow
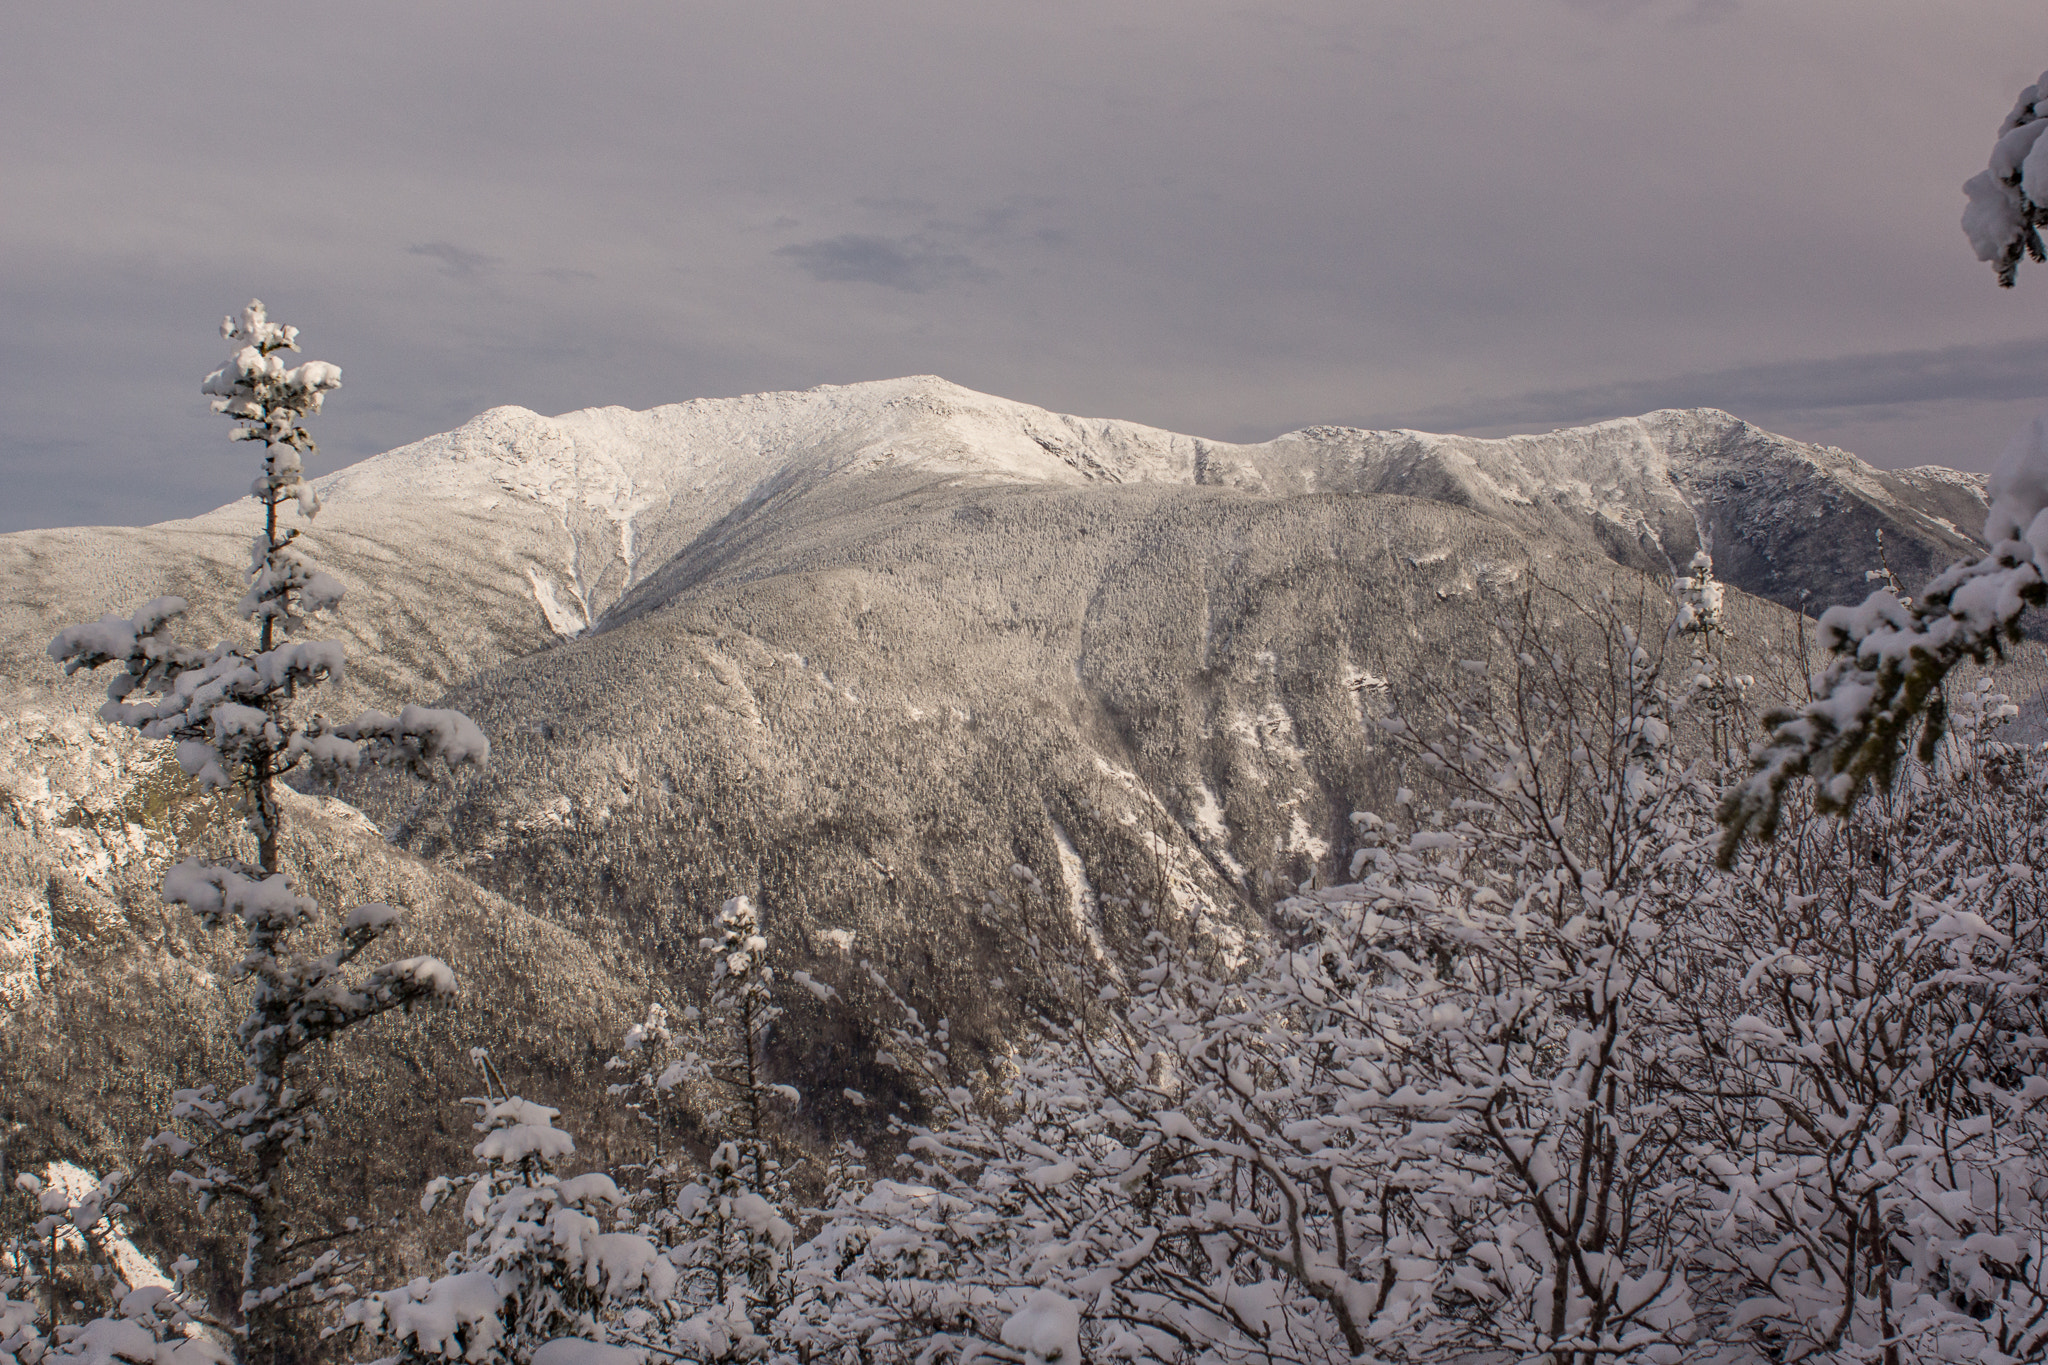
[544, 1264]
[1541, 1084]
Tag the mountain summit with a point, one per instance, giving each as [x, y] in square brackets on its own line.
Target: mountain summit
[622, 493]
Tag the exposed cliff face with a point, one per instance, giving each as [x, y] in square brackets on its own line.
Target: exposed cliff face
[922, 670]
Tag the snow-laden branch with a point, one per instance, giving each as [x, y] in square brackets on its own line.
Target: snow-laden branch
[1894, 652]
[414, 739]
[1892, 656]
[2008, 200]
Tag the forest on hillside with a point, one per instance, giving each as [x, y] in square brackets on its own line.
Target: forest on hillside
[1538, 1079]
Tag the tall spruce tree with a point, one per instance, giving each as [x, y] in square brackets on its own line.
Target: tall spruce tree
[736, 1238]
[233, 711]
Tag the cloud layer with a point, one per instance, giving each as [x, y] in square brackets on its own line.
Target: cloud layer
[914, 265]
[1992, 373]
[1221, 218]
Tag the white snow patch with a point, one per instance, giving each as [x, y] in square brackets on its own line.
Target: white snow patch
[1207, 817]
[1270, 730]
[1301, 840]
[2019, 486]
[136, 1270]
[1047, 1329]
[1208, 814]
[581, 1351]
[1123, 775]
[1186, 891]
[1080, 895]
[562, 621]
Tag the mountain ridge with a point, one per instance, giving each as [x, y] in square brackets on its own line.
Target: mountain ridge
[1635, 483]
[556, 521]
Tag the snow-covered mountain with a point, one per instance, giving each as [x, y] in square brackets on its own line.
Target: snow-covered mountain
[627, 492]
[490, 539]
[895, 658]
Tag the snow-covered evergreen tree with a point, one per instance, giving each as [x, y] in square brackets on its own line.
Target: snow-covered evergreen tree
[659, 1069]
[539, 1278]
[736, 1231]
[233, 711]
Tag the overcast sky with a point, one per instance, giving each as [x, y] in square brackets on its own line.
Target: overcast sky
[1229, 219]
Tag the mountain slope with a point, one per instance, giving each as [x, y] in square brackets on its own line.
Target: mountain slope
[872, 703]
[928, 672]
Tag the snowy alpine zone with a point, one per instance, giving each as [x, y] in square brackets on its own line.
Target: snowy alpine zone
[1035, 761]
[516, 528]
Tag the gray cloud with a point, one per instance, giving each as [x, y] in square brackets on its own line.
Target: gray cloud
[913, 265]
[1214, 217]
[459, 262]
[1683, 11]
[1992, 373]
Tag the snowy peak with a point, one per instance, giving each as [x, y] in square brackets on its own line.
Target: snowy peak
[615, 493]
[623, 492]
